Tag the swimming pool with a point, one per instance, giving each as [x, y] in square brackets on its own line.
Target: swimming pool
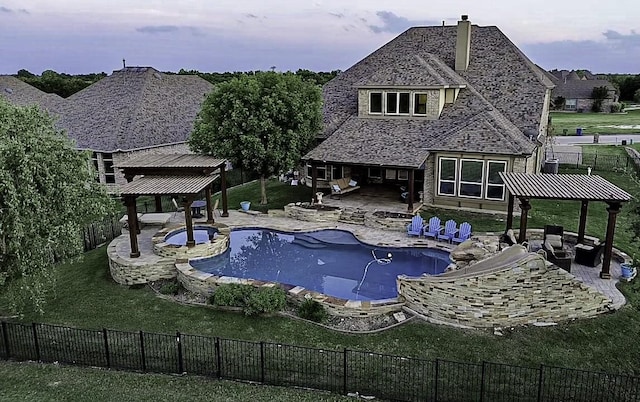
[332, 262]
[200, 235]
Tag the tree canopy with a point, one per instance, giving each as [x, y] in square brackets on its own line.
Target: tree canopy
[48, 192]
[262, 123]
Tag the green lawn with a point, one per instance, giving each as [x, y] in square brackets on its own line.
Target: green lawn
[591, 122]
[278, 195]
[48, 382]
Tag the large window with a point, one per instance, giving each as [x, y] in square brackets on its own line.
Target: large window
[447, 182]
[375, 173]
[94, 160]
[336, 172]
[495, 186]
[398, 102]
[570, 104]
[375, 102]
[471, 175]
[322, 172]
[109, 172]
[420, 104]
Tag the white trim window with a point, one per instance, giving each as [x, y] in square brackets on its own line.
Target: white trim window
[321, 169]
[337, 172]
[375, 102]
[397, 103]
[471, 178]
[495, 185]
[374, 173]
[447, 176]
[420, 104]
[403, 174]
[109, 171]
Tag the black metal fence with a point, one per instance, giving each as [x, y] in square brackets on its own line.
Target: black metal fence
[340, 371]
[100, 232]
[595, 161]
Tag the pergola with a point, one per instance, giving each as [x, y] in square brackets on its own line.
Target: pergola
[583, 188]
[175, 175]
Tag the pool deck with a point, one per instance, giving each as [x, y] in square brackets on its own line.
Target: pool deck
[374, 237]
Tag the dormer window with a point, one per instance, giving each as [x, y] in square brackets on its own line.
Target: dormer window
[420, 104]
[375, 103]
[398, 102]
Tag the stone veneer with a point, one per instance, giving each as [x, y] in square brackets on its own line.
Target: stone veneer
[211, 248]
[530, 291]
[311, 215]
[386, 223]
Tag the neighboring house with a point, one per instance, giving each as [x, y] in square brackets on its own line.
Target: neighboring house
[577, 90]
[446, 106]
[135, 110]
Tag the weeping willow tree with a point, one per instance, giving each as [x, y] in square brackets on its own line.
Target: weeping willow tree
[48, 193]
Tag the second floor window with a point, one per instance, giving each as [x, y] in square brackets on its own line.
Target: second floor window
[398, 102]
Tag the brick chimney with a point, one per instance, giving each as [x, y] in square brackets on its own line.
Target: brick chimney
[463, 43]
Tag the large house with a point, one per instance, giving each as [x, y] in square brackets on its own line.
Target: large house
[439, 109]
[133, 111]
[573, 92]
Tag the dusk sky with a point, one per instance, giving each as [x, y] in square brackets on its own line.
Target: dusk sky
[75, 36]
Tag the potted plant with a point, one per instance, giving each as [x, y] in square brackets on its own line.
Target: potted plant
[628, 270]
[245, 205]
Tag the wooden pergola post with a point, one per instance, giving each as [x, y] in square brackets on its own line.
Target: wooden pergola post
[223, 190]
[510, 212]
[525, 207]
[583, 220]
[314, 181]
[158, 203]
[132, 221]
[207, 193]
[411, 190]
[186, 203]
[613, 209]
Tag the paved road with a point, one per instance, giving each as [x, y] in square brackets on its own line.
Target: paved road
[610, 139]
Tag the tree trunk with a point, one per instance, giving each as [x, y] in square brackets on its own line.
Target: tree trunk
[263, 190]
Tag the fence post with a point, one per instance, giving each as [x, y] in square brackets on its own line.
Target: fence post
[144, 362]
[482, 381]
[35, 340]
[106, 347]
[262, 362]
[5, 336]
[180, 362]
[344, 371]
[595, 161]
[437, 374]
[540, 383]
[218, 359]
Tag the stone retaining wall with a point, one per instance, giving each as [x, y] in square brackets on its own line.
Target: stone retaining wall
[211, 248]
[310, 215]
[389, 224]
[135, 272]
[531, 291]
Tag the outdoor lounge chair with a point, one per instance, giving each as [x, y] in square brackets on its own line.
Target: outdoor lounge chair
[590, 256]
[450, 229]
[557, 257]
[554, 235]
[433, 228]
[178, 208]
[416, 226]
[463, 234]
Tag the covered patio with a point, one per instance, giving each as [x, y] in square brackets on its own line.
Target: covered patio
[583, 188]
[181, 176]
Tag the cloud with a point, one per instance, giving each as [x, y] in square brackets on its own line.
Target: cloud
[249, 15]
[395, 24]
[162, 29]
[5, 9]
[337, 15]
[608, 56]
[24, 11]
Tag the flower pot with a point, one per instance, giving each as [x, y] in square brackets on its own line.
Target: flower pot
[626, 270]
[245, 205]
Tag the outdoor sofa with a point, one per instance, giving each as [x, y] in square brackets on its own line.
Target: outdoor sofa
[343, 186]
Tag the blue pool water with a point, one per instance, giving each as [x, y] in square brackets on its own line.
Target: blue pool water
[332, 262]
[200, 235]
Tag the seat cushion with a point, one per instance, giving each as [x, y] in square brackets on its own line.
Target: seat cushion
[554, 240]
[335, 188]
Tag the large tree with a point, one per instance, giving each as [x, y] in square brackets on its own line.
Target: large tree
[48, 192]
[262, 123]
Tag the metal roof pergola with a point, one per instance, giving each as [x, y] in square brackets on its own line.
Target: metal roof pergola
[575, 187]
[175, 175]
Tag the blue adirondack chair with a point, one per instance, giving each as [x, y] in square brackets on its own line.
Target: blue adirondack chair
[433, 228]
[416, 226]
[463, 233]
[450, 229]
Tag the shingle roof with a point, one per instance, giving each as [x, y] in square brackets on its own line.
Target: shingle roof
[501, 104]
[172, 161]
[134, 108]
[20, 93]
[167, 185]
[580, 89]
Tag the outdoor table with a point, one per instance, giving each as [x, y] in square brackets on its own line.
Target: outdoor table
[196, 207]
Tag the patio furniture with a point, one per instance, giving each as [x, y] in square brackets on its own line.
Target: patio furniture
[554, 235]
[450, 229]
[416, 226]
[557, 257]
[343, 186]
[463, 234]
[509, 238]
[196, 208]
[434, 228]
[178, 208]
[591, 256]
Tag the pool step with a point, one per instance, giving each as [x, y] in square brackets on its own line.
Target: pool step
[308, 241]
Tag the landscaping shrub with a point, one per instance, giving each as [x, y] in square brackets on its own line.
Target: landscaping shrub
[231, 295]
[265, 300]
[312, 310]
[616, 107]
[170, 288]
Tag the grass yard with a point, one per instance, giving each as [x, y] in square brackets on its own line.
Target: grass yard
[278, 195]
[48, 382]
[592, 123]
